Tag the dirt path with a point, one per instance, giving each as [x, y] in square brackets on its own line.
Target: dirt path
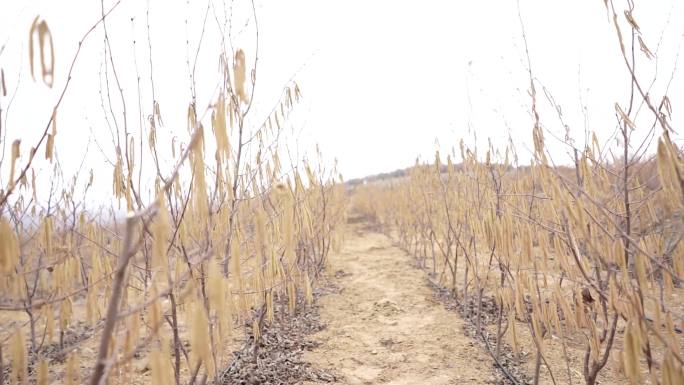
[384, 327]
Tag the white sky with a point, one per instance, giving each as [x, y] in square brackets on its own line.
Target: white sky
[383, 81]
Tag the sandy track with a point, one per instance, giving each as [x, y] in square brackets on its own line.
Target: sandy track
[384, 327]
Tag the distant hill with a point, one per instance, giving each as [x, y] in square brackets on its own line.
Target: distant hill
[386, 176]
[377, 177]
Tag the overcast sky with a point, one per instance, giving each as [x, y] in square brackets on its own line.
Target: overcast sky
[383, 81]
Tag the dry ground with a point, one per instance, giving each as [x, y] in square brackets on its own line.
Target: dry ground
[384, 325]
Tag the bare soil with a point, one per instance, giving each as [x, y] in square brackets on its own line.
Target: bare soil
[385, 326]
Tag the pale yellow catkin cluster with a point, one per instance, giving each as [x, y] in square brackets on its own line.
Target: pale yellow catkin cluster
[220, 243]
[549, 249]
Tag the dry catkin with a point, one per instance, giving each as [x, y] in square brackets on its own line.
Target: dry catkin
[43, 374]
[239, 75]
[220, 129]
[19, 358]
[65, 313]
[9, 250]
[15, 156]
[159, 361]
[632, 347]
[160, 232]
[199, 337]
[72, 373]
[49, 323]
